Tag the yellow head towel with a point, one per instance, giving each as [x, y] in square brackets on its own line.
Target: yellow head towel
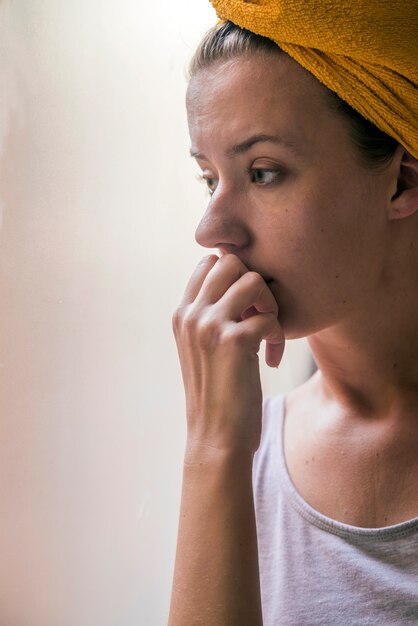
[364, 50]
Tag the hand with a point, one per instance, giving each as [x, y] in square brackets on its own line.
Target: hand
[225, 313]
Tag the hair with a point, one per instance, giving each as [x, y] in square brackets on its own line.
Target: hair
[227, 41]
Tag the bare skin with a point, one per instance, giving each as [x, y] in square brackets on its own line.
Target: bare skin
[314, 244]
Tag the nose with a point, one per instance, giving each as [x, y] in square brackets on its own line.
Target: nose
[222, 226]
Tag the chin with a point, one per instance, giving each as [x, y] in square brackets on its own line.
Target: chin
[296, 326]
[297, 318]
[292, 329]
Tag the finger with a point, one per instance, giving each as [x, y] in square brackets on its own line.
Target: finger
[274, 353]
[265, 326]
[225, 273]
[195, 283]
[252, 331]
[247, 297]
[249, 312]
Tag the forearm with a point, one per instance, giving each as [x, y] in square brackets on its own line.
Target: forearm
[225, 313]
[216, 579]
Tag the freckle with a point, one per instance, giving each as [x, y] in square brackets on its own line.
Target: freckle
[386, 519]
[313, 458]
[322, 230]
[337, 275]
[344, 301]
[395, 365]
[306, 462]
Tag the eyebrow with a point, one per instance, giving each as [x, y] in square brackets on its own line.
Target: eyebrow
[247, 144]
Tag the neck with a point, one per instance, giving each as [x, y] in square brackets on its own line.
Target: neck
[369, 365]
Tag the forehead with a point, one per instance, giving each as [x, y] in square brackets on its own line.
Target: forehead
[266, 93]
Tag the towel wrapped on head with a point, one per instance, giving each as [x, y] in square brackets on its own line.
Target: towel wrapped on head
[366, 51]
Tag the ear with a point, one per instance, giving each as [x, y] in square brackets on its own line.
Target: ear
[405, 201]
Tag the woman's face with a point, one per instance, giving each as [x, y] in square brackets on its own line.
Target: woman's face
[289, 195]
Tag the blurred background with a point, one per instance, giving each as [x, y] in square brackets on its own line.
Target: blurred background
[99, 204]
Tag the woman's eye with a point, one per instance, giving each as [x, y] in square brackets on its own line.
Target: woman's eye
[211, 183]
[264, 176]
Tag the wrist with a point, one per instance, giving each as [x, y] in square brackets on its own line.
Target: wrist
[198, 453]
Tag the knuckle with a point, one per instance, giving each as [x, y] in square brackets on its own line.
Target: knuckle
[211, 258]
[209, 333]
[230, 260]
[184, 319]
[200, 328]
[207, 260]
[234, 335]
[254, 279]
[190, 319]
[176, 319]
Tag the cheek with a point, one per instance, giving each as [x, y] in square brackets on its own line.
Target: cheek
[327, 256]
[307, 235]
[321, 254]
[320, 232]
[334, 227]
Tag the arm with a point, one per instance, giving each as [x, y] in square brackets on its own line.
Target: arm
[216, 579]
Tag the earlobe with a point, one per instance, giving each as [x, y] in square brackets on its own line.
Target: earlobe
[405, 201]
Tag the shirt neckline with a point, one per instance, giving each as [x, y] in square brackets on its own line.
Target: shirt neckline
[316, 518]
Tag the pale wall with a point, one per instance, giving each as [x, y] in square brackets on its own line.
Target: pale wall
[99, 206]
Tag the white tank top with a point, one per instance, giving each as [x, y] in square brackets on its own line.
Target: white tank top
[315, 571]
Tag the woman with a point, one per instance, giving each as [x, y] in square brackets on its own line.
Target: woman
[306, 511]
